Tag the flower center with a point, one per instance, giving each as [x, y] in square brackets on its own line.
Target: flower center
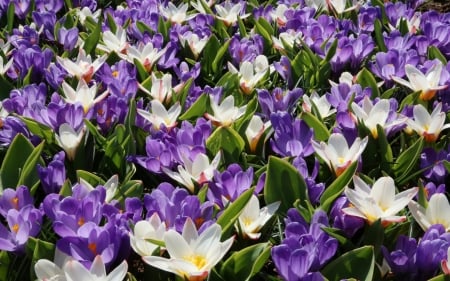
[197, 260]
[15, 228]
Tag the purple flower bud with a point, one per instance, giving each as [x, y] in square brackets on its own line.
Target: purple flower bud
[68, 37]
[54, 175]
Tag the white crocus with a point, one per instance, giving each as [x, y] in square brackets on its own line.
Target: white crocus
[378, 202]
[251, 73]
[5, 67]
[252, 218]
[146, 54]
[83, 68]
[320, 102]
[337, 154]
[83, 95]
[195, 43]
[85, 12]
[229, 12]
[279, 15]
[176, 14]
[426, 125]
[75, 271]
[114, 42]
[198, 171]
[289, 39]
[52, 271]
[161, 88]
[256, 128]
[69, 140]
[159, 115]
[427, 84]
[226, 113]
[192, 256]
[437, 212]
[373, 115]
[144, 231]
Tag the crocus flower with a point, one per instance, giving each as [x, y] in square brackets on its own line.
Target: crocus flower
[194, 41]
[114, 42]
[226, 113]
[4, 67]
[144, 230]
[229, 12]
[68, 139]
[199, 171]
[176, 14]
[252, 218]
[426, 125]
[146, 54]
[161, 88]
[321, 103]
[427, 84]
[48, 270]
[83, 68]
[437, 212]
[84, 95]
[373, 115]
[378, 202]
[251, 73]
[192, 256]
[75, 271]
[255, 130]
[160, 115]
[337, 154]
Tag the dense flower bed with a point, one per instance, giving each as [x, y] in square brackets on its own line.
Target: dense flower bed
[237, 140]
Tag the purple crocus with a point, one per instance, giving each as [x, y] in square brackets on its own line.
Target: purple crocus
[433, 160]
[306, 248]
[245, 49]
[22, 224]
[54, 175]
[292, 137]
[228, 185]
[278, 100]
[68, 37]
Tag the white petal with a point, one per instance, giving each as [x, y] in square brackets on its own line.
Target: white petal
[119, 272]
[176, 245]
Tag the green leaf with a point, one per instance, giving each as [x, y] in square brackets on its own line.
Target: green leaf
[4, 265]
[142, 72]
[132, 188]
[244, 264]
[366, 79]
[435, 53]
[331, 52]
[42, 131]
[29, 175]
[345, 243]
[111, 23]
[101, 140]
[228, 141]
[39, 249]
[379, 38]
[374, 235]
[91, 41]
[337, 186]
[217, 62]
[442, 277]
[407, 160]
[242, 29]
[10, 17]
[321, 132]
[209, 53]
[163, 28]
[232, 212]
[358, 264]
[284, 183]
[6, 87]
[197, 109]
[385, 150]
[14, 161]
[89, 177]
[265, 30]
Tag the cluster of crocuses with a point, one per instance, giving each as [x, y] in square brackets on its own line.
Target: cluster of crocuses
[224, 140]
